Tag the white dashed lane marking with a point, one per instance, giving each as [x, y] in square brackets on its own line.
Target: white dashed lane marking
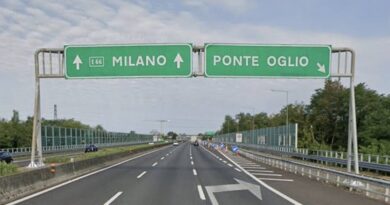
[113, 198]
[142, 174]
[201, 193]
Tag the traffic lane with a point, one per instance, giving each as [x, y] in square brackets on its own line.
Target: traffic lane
[320, 193]
[212, 172]
[171, 182]
[98, 188]
[310, 191]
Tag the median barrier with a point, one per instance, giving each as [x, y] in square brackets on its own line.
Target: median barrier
[24, 183]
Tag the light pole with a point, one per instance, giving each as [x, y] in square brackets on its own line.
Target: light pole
[253, 122]
[286, 92]
[161, 125]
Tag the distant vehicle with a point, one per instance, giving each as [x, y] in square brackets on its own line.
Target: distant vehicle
[194, 138]
[175, 143]
[6, 157]
[196, 143]
[91, 148]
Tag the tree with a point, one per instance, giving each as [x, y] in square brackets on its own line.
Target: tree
[262, 120]
[328, 114]
[15, 116]
[229, 125]
[172, 135]
[99, 128]
[323, 124]
[244, 121]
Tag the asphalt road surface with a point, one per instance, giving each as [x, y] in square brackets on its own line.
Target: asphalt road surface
[186, 174]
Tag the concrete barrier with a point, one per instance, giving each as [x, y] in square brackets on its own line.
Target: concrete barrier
[24, 183]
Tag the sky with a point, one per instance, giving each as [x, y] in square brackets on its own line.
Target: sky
[192, 105]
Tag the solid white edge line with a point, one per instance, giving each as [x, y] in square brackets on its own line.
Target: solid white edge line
[113, 198]
[263, 183]
[142, 174]
[254, 168]
[261, 171]
[194, 171]
[78, 178]
[273, 179]
[266, 174]
[201, 193]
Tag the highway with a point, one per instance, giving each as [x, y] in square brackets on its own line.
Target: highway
[186, 174]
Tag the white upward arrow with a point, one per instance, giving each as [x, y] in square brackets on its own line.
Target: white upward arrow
[77, 61]
[178, 60]
[321, 67]
[242, 185]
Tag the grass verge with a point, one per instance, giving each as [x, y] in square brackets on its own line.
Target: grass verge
[102, 152]
[7, 169]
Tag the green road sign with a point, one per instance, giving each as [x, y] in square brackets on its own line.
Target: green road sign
[290, 61]
[119, 61]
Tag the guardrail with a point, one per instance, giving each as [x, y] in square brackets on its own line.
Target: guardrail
[374, 188]
[369, 158]
[335, 158]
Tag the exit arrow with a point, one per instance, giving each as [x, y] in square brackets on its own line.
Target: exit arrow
[321, 67]
[77, 61]
[242, 185]
[178, 60]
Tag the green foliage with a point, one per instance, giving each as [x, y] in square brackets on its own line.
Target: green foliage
[172, 135]
[17, 133]
[7, 169]
[57, 159]
[323, 124]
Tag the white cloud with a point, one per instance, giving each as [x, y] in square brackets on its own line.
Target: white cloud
[127, 103]
[233, 6]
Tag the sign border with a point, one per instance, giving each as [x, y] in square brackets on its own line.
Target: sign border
[129, 45]
[270, 45]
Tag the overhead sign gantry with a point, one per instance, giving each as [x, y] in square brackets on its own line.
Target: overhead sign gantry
[175, 60]
[121, 61]
[278, 61]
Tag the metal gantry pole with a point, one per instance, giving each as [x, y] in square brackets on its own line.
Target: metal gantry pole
[353, 107]
[287, 127]
[36, 135]
[352, 124]
[349, 146]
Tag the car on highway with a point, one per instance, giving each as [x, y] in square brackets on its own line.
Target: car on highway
[196, 143]
[6, 157]
[175, 143]
[91, 148]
